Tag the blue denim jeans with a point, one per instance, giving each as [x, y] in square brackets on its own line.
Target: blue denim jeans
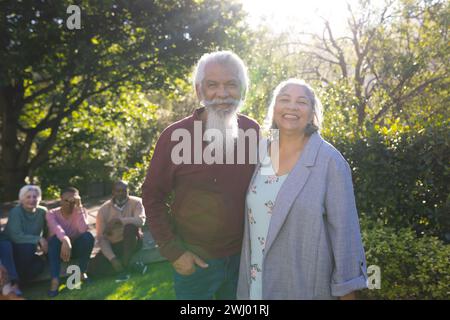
[218, 280]
[7, 259]
[81, 249]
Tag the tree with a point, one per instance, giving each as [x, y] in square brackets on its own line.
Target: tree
[48, 72]
[392, 55]
[99, 144]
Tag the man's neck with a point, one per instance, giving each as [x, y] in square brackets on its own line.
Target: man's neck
[120, 205]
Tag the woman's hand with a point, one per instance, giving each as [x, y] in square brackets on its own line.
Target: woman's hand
[78, 203]
[66, 249]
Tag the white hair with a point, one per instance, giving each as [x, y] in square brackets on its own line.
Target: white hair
[310, 93]
[224, 58]
[29, 187]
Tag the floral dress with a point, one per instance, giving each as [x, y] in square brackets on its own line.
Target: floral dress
[260, 201]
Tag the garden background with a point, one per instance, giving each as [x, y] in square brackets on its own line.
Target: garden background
[85, 107]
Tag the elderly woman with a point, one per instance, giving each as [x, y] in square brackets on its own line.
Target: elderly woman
[25, 229]
[302, 237]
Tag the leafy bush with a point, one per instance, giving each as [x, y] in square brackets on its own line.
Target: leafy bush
[97, 147]
[401, 176]
[135, 177]
[411, 267]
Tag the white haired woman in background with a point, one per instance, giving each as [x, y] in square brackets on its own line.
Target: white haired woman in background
[26, 227]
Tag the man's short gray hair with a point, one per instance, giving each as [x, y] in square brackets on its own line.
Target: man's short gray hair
[27, 188]
[316, 105]
[224, 58]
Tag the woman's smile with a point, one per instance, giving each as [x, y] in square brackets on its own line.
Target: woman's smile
[290, 116]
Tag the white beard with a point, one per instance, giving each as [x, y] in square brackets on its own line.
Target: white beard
[227, 124]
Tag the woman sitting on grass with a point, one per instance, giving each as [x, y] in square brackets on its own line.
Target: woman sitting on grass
[69, 236]
[26, 228]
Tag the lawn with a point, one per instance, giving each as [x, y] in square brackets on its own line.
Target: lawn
[156, 284]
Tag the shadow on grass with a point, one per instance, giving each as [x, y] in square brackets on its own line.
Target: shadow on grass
[156, 284]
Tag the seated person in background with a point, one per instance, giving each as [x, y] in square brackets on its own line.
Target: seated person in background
[119, 233]
[6, 290]
[26, 228]
[69, 236]
[9, 286]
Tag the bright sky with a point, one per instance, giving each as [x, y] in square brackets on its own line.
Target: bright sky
[304, 15]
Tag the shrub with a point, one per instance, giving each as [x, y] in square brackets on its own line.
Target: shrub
[411, 267]
[401, 176]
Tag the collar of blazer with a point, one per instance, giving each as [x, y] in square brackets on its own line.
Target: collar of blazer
[292, 186]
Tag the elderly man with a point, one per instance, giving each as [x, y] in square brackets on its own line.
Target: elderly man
[119, 233]
[202, 233]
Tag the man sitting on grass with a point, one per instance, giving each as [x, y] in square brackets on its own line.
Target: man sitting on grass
[119, 234]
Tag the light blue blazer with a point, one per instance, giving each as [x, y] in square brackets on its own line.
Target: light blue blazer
[313, 247]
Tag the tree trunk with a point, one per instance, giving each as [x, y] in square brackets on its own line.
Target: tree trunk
[13, 180]
[361, 108]
[13, 172]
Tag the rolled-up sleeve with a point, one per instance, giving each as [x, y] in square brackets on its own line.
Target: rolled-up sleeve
[349, 273]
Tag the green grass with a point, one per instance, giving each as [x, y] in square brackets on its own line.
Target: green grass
[156, 284]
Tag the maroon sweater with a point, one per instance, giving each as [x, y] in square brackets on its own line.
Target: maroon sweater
[205, 212]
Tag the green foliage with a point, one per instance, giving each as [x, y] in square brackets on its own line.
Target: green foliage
[268, 65]
[85, 106]
[401, 175]
[410, 54]
[411, 267]
[339, 109]
[101, 144]
[49, 74]
[136, 175]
